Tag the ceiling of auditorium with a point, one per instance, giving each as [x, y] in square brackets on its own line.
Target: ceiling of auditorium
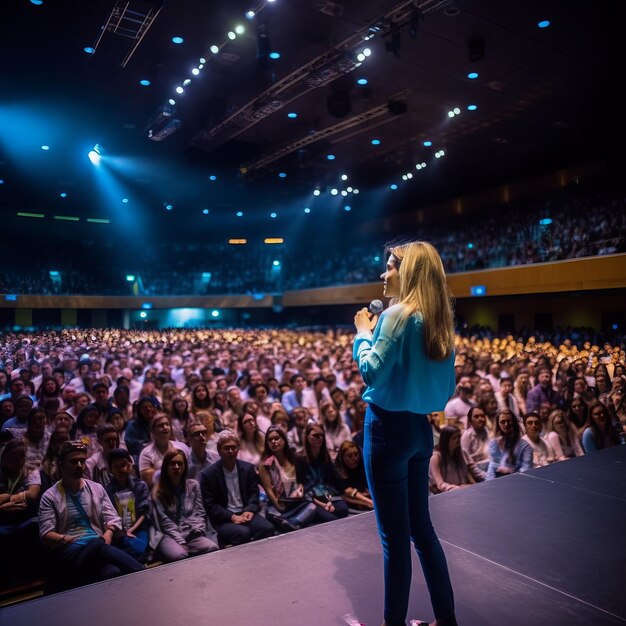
[545, 98]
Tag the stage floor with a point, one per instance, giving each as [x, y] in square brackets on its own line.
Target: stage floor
[546, 548]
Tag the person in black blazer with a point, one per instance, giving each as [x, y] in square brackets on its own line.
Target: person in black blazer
[230, 493]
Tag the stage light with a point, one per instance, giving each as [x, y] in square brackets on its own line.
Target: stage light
[215, 313]
[239, 29]
[177, 40]
[169, 207]
[437, 154]
[37, 3]
[317, 192]
[239, 214]
[171, 102]
[186, 82]
[89, 49]
[282, 175]
[478, 290]
[361, 81]
[250, 15]
[45, 148]
[307, 210]
[214, 49]
[543, 24]
[273, 240]
[237, 242]
[404, 177]
[231, 35]
[125, 200]
[451, 113]
[143, 315]
[546, 221]
[367, 52]
[409, 175]
[360, 57]
[212, 177]
[456, 110]
[344, 193]
[195, 71]
[201, 66]
[95, 154]
[349, 189]
[205, 211]
[1, 181]
[334, 192]
[418, 166]
[274, 55]
[276, 263]
[427, 144]
[376, 142]
[344, 177]
[331, 157]
[202, 60]
[471, 107]
[63, 195]
[130, 278]
[470, 246]
[273, 215]
[54, 273]
[146, 305]
[355, 191]
[292, 115]
[472, 75]
[393, 187]
[347, 208]
[442, 152]
[144, 82]
[179, 89]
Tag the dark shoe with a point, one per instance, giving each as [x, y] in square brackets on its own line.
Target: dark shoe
[286, 527]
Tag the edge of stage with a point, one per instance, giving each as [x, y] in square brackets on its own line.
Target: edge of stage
[542, 548]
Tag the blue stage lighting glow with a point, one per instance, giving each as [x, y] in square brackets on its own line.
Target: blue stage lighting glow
[273, 215]
[347, 208]
[361, 81]
[472, 75]
[62, 195]
[212, 177]
[276, 263]
[427, 144]
[471, 107]
[393, 187]
[215, 313]
[169, 207]
[130, 278]
[45, 148]
[292, 115]
[146, 305]
[177, 40]
[478, 290]
[125, 200]
[205, 211]
[239, 213]
[94, 155]
[282, 175]
[1, 181]
[330, 157]
[144, 83]
[250, 15]
[54, 273]
[307, 210]
[274, 55]
[37, 3]
[143, 315]
[89, 49]
[546, 221]
[376, 142]
[543, 23]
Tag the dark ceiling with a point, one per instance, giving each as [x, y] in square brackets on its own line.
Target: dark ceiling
[546, 98]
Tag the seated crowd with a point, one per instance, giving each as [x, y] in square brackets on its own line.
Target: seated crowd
[121, 447]
[583, 222]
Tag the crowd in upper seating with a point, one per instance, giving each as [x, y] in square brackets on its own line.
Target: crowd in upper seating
[118, 446]
[582, 223]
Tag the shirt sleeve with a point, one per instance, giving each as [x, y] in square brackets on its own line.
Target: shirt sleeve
[376, 354]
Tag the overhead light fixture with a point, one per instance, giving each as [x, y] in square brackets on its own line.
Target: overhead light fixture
[95, 154]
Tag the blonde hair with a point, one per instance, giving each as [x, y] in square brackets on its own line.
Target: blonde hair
[423, 288]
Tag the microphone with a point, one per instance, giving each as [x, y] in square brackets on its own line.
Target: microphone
[376, 307]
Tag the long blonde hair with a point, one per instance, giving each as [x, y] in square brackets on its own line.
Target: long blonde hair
[423, 288]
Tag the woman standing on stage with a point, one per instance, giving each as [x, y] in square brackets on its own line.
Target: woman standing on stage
[408, 367]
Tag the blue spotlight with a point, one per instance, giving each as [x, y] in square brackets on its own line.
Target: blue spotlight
[125, 200]
[274, 55]
[250, 15]
[427, 144]
[212, 177]
[273, 215]
[130, 278]
[215, 313]
[205, 211]
[145, 82]
[307, 210]
[331, 157]
[542, 24]
[376, 142]
[292, 115]
[1, 181]
[472, 75]
[95, 155]
[177, 40]
[37, 3]
[471, 107]
[393, 187]
[169, 207]
[62, 195]
[45, 148]
[89, 49]
[282, 175]
[239, 213]
[546, 221]
[347, 208]
[361, 81]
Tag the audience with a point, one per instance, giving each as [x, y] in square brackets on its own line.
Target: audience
[302, 386]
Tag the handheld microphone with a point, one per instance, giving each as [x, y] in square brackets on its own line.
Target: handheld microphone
[376, 307]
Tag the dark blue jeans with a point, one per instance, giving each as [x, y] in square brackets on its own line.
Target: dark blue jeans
[397, 451]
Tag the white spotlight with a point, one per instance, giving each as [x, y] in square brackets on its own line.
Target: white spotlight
[344, 192]
[317, 192]
[239, 29]
[214, 49]
[456, 110]
[344, 177]
[450, 113]
[334, 192]
[367, 52]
